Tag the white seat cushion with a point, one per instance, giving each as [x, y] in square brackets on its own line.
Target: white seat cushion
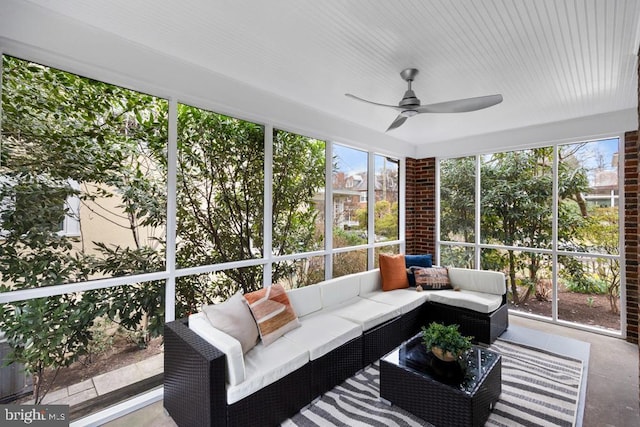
[320, 333]
[476, 301]
[227, 344]
[265, 365]
[404, 299]
[364, 311]
[490, 282]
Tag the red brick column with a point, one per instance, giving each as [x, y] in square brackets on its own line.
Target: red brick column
[420, 224]
[631, 224]
[410, 205]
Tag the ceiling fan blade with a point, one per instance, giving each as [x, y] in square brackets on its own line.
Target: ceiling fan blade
[461, 105]
[395, 107]
[397, 122]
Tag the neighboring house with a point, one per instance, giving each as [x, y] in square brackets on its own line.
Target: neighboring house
[69, 226]
[347, 199]
[103, 219]
[603, 184]
[350, 193]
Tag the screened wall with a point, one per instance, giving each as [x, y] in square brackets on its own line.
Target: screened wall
[121, 210]
[549, 218]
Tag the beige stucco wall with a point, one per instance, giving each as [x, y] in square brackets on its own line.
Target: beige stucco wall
[103, 220]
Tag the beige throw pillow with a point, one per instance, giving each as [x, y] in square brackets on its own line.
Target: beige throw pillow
[234, 318]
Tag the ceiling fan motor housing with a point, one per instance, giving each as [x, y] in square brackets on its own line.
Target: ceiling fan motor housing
[409, 100]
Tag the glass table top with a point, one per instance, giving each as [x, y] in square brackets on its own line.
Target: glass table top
[465, 375]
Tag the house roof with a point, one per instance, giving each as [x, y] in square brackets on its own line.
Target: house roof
[566, 69]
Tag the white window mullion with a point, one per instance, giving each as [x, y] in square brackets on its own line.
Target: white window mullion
[554, 235]
[371, 207]
[172, 166]
[478, 212]
[268, 205]
[328, 211]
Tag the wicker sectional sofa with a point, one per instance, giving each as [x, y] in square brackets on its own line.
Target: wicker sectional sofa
[346, 324]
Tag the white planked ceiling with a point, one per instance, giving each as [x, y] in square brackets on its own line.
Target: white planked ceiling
[552, 60]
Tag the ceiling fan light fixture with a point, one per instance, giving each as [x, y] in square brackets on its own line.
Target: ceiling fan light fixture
[410, 105]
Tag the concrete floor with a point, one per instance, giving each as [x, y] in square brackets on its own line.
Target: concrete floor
[612, 380]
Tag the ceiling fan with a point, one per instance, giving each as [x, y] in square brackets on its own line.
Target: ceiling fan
[409, 105]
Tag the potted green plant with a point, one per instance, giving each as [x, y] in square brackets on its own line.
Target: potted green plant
[445, 342]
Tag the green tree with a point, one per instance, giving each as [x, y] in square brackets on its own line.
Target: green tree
[385, 220]
[59, 128]
[600, 234]
[220, 201]
[298, 176]
[516, 207]
[457, 199]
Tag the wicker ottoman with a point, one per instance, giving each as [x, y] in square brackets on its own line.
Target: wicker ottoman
[465, 398]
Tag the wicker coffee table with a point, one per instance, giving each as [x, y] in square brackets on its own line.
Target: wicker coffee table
[412, 380]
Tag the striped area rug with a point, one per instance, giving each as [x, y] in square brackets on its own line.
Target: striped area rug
[538, 389]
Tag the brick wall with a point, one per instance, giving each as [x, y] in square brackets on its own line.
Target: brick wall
[631, 224]
[420, 224]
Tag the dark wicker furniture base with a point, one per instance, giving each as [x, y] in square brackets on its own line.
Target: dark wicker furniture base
[273, 403]
[412, 322]
[195, 373]
[335, 367]
[194, 378]
[416, 388]
[195, 386]
[380, 340]
[483, 327]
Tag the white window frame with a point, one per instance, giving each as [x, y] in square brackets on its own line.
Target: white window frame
[553, 252]
[71, 222]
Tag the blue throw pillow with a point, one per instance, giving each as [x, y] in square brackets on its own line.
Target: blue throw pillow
[416, 261]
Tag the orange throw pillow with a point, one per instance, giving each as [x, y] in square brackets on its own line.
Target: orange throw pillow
[272, 310]
[393, 272]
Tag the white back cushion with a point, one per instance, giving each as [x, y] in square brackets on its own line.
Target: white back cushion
[490, 282]
[230, 346]
[305, 300]
[370, 281]
[339, 290]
